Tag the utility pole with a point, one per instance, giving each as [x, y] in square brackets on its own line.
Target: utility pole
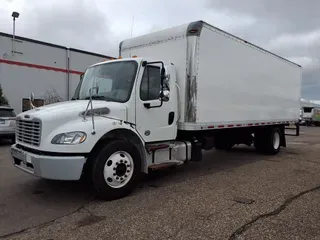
[14, 15]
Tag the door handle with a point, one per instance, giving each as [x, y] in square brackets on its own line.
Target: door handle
[170, 118]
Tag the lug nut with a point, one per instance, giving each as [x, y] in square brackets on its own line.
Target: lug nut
[117, 163]
[125, 176]
[114, 174]
[117, 178]
[121, 161]
[121, 179]
[114, 168]
[128, 170]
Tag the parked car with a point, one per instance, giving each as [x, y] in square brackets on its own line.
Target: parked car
[7, 123]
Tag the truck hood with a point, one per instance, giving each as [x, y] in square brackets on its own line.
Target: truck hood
[69, 110]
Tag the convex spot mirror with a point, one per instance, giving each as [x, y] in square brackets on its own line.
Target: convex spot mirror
[164, 95]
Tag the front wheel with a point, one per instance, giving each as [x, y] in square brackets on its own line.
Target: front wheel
[116, 169]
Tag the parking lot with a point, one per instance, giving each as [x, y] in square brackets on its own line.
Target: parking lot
[229, 195]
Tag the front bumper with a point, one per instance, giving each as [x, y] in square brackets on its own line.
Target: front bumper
[48, 167]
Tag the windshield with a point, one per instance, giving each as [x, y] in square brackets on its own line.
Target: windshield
[112, 81]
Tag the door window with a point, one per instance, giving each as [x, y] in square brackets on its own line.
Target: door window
[150, 84]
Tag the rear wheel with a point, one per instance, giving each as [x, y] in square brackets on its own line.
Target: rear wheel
[116, 169]
[268, 141]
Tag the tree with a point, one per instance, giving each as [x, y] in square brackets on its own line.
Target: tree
[52, 97]
[3, 99]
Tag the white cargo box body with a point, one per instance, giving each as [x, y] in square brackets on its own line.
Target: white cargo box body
[224, 81]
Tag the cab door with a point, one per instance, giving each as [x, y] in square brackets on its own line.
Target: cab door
[155, 120]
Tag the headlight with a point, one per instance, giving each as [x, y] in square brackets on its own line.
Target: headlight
[69, 138]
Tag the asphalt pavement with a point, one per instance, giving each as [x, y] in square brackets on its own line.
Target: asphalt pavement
[229, 195]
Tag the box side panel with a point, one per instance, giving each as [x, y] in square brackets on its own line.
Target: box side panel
[239, 83]
[171, 51]
[153, 38]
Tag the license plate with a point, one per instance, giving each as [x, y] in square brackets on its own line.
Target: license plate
[21, 155]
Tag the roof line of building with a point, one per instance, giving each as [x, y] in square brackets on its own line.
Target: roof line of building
[52, 45]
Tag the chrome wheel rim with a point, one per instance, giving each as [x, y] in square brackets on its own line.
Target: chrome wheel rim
[118, 169]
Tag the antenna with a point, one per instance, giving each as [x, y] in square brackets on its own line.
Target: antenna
[132, 26]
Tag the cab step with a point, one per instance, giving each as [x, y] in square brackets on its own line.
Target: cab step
[167, 164]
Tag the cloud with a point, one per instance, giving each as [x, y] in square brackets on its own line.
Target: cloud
[286, 41]
[285, 14]
[289, 29]
[306, 62]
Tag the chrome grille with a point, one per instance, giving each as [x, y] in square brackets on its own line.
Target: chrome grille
[28, 131]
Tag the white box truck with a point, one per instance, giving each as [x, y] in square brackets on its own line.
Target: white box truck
[170, 95]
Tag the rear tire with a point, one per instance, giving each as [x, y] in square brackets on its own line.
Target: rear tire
[268, 141]
[116, 169]
[273, 141]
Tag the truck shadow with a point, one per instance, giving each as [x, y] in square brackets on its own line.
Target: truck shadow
[63, 196]
[48, 200]
[213, 161]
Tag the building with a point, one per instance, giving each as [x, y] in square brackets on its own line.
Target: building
[50, 71]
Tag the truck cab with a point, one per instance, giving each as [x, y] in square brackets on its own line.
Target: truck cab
[307, 113]
[138, 85]
[118, 107]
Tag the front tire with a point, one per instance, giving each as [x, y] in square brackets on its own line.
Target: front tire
[116, 169]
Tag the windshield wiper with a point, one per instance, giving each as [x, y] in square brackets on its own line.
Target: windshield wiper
[97, 97]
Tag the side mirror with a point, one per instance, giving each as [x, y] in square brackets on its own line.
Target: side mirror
[31, 97]
[81, 76]
[164, 93]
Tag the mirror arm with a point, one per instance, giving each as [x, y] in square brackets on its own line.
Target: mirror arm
[31, 99]
[148, 105]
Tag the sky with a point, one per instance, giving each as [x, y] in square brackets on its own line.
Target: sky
[290, 28]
